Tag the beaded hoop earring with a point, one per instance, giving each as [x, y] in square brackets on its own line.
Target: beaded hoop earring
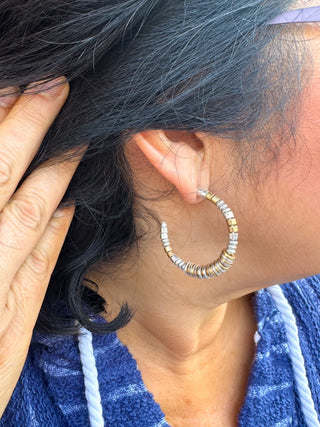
[227, 256]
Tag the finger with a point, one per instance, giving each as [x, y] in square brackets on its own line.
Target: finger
[30, 283]
[8, 97]
[25, 299]
[22, 132]
[26, 215]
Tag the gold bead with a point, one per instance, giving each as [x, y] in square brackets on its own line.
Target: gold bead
[210, 270]
[225, 267]
[228, 256]
[191, 268]
[219, 267]
[232, 256]
[215, 199]
[233, 229]
[199, 271]
[225, 262]
[232, 221]
[214, 269]
[168, 249]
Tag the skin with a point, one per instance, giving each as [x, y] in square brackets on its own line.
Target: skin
[184, 329]
[32, 230]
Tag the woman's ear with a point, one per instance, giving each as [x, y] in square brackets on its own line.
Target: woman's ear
[180, 157]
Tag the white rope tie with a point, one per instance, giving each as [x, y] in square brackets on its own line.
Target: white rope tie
[299, 371]
[91, 383]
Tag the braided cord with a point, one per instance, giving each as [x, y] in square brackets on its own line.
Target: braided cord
[299, 371]
[90, 373]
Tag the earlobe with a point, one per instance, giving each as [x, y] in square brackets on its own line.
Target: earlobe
[179, 157]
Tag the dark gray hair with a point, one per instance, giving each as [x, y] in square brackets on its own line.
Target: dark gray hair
[187, 65]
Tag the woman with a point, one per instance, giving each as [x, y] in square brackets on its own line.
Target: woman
[168, 103]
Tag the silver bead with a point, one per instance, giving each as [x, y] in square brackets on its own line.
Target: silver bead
[233, 236]
[229, 215]
[231, 251]
[202, 193]
[165, 242]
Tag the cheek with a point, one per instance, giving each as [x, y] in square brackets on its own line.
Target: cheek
[297, 189]
[304, 179]
[279, 227]
[306, 164]
[286, 231]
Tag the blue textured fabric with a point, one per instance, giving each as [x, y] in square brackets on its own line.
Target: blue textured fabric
[50, 391]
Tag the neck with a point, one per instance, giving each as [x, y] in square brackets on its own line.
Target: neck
[195, 360]
[180, 336]
[180, 327]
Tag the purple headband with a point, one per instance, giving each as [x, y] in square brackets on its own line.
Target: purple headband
[308, 14]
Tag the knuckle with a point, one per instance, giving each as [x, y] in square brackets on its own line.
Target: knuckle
[6, 168]
[39, 263]
[27, 213]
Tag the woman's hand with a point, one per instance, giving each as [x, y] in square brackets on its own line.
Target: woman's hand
[32, 232]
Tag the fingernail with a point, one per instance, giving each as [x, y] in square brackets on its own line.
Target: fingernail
[62, 212]
[9, 100]
[50, 89]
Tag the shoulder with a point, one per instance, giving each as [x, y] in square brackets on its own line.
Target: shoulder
[30, 404]
[50, 379]
[304, 298]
